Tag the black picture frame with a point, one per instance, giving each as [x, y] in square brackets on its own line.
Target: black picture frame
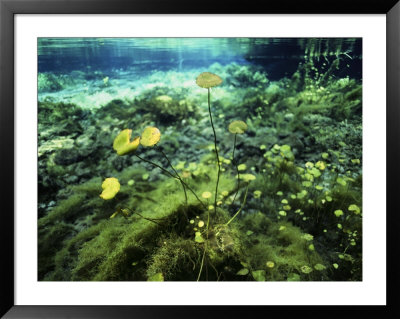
[8, 10]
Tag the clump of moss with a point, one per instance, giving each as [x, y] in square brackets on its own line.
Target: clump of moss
[281, 244]
[176, 258]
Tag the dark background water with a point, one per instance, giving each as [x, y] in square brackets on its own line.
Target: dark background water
[280, 57]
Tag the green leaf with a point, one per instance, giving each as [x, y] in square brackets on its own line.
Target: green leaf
[198, 238]
[319, 267]
[354, 208]
[242, 272]
[122, 144]
[237, 127]
[293, 277]
[341, 181]
[150, 136]
[258, 275]
[338, 212]
[110, 187]
[207, 80]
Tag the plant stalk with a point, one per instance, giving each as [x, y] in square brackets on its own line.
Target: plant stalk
[176, 173]
[237, 170]
[173, 176]
[216, 153]
[241, 207]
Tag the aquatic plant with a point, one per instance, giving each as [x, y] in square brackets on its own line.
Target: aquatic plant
[122, 144]
[299, 216]
[237, 127]
[111, 187]
[149, 138]
[208, 80]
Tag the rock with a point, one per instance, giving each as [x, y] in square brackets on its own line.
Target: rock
[55, 144]
[67, 156]
[71, 179]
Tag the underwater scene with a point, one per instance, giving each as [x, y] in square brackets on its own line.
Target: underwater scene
[199, 159]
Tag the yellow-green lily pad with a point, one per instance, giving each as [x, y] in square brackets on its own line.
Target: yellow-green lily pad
[150, 136]
[207, 80]
[237, 127]
[198, 238]
[258, 275]
[247, 177]
[355, 209]
[122, 142]
[242, 272]
[110, 187]
[338, 212]
[319, 267]
[306, 269]
[206, 195]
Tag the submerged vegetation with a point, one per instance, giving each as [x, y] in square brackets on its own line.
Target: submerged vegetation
[256, 180]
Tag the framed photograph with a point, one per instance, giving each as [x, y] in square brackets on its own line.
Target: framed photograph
[176, 159]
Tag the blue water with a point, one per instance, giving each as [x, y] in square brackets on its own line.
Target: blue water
[278, 56]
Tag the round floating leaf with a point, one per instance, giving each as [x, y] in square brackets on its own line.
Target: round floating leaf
[308, 237]
[306, 269]
[206, 195]
[110, 187]
[247, 177]
[237, 127]
[258, 275]
[207, 80]
[320, 165]
[122, 142]
[338, 212]
[355, 209]
[198, 238]
[242, 272]
[319, 267]
[257, 194]
[150, 136]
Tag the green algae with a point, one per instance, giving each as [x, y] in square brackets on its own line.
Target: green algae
[87, 245]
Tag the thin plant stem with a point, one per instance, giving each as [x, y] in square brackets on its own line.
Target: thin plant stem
[237, 170]
[173, 176]
[153, 220]
[205, 246]
[154, 164]
[176, 173]
[234, 146]
[216, 186]
[241, 207]
[216, 153]
[149, 219]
